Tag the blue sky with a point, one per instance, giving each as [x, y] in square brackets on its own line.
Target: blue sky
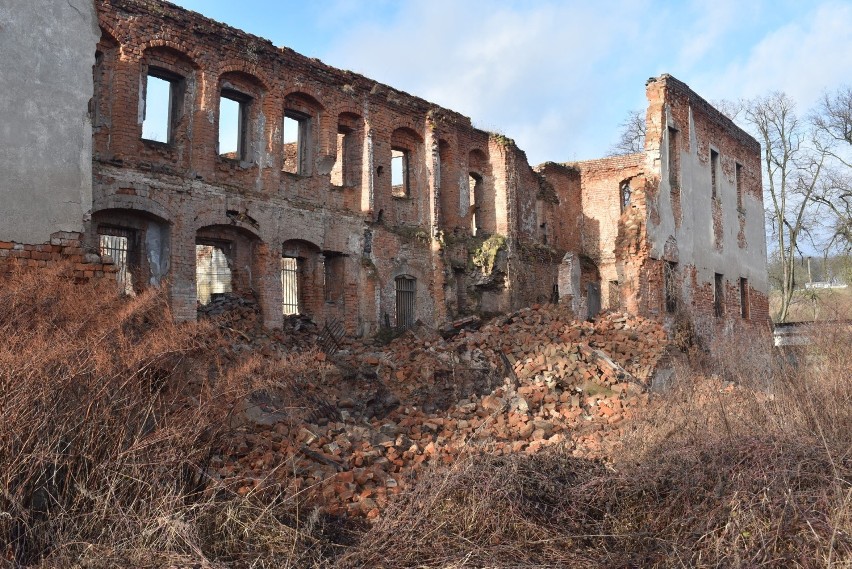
[559, 77]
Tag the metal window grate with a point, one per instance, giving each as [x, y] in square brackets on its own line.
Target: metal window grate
[212, 272]
[290, 285]
[405, 288]
[118, 244]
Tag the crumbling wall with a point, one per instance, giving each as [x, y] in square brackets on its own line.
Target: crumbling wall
[382, 201]
[709, 223]
[334, 179]
[612, 215]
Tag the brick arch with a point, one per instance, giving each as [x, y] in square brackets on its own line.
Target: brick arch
[135, 203]
[310, 95]
[245, 69]
[211, 219]
[111, 34]
[347, 107]
[299, 247]
[184, 55]
[477, 161]
[107, 33]
[407, 126]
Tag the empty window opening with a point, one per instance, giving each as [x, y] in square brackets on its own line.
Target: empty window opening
[738, 181]
[333, 275]
[212, 270]
[474, 184]
[744, 304]
[290, 285]
[233, 108]
[405, 289]
[399, 173]
[542, 233]
[670, 286]
[158, 111]
[674, 158]
[119, 245]
[614, 296]
[714, 173]
[718, 295]
[625, 191]
[295, 142]
[341, 174]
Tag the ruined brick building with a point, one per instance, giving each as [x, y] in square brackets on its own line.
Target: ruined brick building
[322, 192]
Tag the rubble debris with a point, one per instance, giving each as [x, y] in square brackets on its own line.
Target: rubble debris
[568, 383]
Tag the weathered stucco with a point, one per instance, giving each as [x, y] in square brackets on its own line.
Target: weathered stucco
[47, 48]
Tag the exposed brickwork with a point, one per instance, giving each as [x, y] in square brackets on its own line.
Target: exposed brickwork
[329, 201]
[66, 247]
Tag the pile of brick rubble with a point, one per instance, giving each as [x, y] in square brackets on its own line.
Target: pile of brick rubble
[520, 383]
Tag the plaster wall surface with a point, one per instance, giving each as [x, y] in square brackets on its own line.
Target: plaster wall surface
[710, 231]
[47, 49]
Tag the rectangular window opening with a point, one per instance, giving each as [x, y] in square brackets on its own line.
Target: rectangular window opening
[341, 173]
[744, 304]
[670, 287]
[334, 278]
[295, 143]
[625, 191]
[674, 158]
[461, 291]
[399, 173]
[233, 108]
[212, 270]
[714, 174]
[158, 113]
[290, 286]
[738, 180]
[119, 245]
[718, 295]
[474, 182]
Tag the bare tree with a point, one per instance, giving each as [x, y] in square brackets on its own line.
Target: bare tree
[632, 138]
[731, 109]
[795, 181]
[832, 120]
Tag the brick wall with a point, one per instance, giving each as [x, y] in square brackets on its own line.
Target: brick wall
[64, 247]
[332, 197]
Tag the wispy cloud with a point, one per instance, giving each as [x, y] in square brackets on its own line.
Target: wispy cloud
[801, 58]
[508, 66]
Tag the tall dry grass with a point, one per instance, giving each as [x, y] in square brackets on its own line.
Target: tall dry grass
[109, 414]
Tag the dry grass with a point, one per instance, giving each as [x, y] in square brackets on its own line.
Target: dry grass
[109, 414]
[815, 304]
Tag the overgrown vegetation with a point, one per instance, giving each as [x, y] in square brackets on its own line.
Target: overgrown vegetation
[485, 255]
[110, 414]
